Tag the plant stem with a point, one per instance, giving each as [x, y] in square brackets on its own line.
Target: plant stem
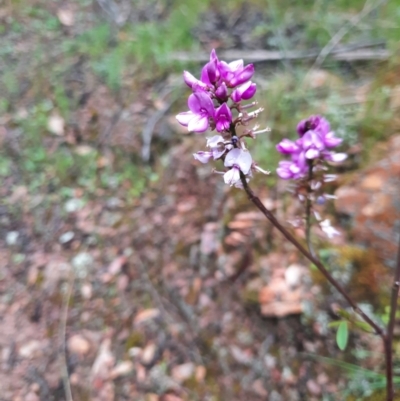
[269, 215]
[388, 340]
[308, 209]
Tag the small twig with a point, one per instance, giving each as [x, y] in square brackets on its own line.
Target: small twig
[148, 129]
[388, 342]
[344, 53]
[268, 214]
[113, 11]
[107, 132]
[308, 210]
[335, 40]
[166, 315]
[62, 338]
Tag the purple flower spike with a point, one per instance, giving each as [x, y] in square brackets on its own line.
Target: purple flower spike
[223, 118]
[238, 160]
[311, 149]
[201, 109]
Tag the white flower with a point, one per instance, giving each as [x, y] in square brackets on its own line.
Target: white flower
[238, 160]
[328, 229]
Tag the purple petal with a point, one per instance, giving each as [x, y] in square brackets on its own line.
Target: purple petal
[294, 168]
[236, 65]
[222, 92]
[225, 70]
[316, 123]
[331, 140]
[206, 103]
[232, 176]
[240, 158]
[200, 103]
[213, 55]
[215, 141]
[312, 154]
[204, 75]
[212, 71]
[203, 157]
[244, 161]
[322, 125]
[223, 117]
[194, 103]
[236, 96]
[242, 76]
[249, 92]
[223, 110]
[231, 157]
[301, 127]
[198, 123]
[286, 146]
[312, 140]
[193, 82]
[300, 159]
[184, 118]
[283, 170]
[337, 157]
[217, 153]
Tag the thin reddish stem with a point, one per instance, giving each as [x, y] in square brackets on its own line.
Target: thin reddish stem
[388, 341]
[269, 215]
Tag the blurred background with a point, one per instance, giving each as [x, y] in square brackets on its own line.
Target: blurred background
[129, 271]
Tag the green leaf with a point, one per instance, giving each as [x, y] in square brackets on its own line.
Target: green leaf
[363, 326]
[342, 335]
[344, 314]
[334, 324]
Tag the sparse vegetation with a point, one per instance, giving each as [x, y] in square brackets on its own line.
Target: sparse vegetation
[78, 85]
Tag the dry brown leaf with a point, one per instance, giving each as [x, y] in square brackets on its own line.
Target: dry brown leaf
[200, 373]
[79, 345]
[116, 265]
[281, 309]
[278, 299]
[183, 372]
[55, 124]
[122, 369]
[235, 238]
[66, 16]
[240, 224]
[241, 356]
[249, 216]
[146, 315]
[172, 397]
[103, 363]
[148, 353]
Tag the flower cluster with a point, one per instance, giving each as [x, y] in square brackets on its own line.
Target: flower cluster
[311, 149]
[215, 97]
[307, 166]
